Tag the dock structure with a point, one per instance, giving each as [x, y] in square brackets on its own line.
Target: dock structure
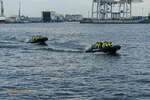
[112, 9]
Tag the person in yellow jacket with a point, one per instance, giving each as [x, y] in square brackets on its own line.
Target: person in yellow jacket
[34, 38]
[97, 45]
[109, 44]
[106, 44]
[103, 44]
[100, 45]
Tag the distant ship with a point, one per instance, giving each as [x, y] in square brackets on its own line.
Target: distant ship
[2, 20]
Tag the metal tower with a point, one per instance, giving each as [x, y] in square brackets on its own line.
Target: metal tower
[111, 9]
[2, 8]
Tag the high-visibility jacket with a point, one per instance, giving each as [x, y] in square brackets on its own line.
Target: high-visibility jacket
[97, 45]
[103, 45]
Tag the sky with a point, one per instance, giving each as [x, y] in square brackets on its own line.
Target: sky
[33, 8]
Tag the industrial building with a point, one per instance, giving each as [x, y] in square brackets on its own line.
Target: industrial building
[73, 18]
[51, 16]
[46, 16]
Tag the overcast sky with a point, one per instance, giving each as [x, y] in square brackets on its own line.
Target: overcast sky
[34, 7]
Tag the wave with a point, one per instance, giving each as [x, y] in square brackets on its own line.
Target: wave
[64, 50]
[10, 46]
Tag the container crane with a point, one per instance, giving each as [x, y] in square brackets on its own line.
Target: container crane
[112, 9]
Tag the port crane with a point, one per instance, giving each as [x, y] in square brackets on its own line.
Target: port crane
[112, 9]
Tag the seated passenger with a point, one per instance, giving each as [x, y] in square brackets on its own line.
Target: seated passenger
[98, 45]
[110, 43]
[107, 44]
[103, 44]
[34, 38]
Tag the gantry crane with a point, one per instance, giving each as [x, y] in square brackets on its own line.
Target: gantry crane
[112, 9]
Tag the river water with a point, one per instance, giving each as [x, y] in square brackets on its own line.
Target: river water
[63, 71]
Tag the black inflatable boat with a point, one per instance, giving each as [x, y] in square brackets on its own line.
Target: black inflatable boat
[38, 39]
[111, 49]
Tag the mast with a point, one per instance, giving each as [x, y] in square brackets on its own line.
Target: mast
[19, 11]
[2, 8]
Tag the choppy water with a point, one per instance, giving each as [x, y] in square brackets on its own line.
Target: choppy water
[62, 71]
